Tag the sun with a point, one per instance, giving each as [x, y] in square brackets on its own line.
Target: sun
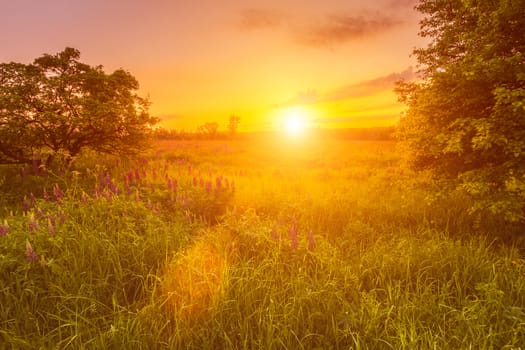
[295, 121]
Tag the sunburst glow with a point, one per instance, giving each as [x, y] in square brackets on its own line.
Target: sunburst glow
[295, 121]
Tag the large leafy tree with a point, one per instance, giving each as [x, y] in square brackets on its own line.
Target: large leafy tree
[60, 106]
[466, 115]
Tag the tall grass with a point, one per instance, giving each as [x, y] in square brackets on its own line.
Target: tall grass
[217, 245]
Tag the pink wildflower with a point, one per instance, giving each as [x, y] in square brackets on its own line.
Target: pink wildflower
[4, 229]
[33, 224]
[57, 192]
[30, 253]
[294, 236]
[25, 205]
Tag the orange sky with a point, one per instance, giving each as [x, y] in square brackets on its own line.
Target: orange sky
[202, 60]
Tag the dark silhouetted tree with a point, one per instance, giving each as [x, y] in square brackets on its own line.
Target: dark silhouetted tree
[60, 106]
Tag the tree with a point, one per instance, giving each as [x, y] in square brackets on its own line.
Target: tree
[60, 106]
[466, 116]
[233, 124]
[209, 129]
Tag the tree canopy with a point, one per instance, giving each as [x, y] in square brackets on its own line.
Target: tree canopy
[466, 115]
[60, 106]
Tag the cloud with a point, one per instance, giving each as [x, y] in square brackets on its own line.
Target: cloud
[252, 19]
[339, 29]
[363, 88]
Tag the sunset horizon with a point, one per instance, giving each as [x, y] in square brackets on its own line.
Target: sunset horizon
[203, 63]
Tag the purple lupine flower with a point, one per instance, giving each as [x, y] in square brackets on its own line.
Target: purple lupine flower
[51, 228]
[195, 181]
[129, 176]
[137, 174]
[311, 240]
[33, 224]
[32, 199]
[62, 218]
[113, 187]
[169, 185]
[57, 192]
[30, 253]
[218, 182]
[127, 188]
[208, 187]
[294, 236]
[4, 229]
[25, 205]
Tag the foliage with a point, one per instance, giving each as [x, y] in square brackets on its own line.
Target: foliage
[58, 106]
[466, 116]
[210, 129]
[233, 124]
[248, 245]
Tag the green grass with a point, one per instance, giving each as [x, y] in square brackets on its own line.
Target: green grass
[128, 262]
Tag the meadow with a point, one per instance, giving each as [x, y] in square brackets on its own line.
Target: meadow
[254, 243]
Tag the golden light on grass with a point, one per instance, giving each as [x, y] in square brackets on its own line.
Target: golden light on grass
[193, 282]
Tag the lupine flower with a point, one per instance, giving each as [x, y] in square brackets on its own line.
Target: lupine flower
[311, 240]
[218, 182]
[169, 185]
[62, 217]
[294, 236]
[4, 229]
[30, 253]
[195, 181]
[208, 187]
[113, 188]
[129, 176]
[33, 224]
[51, 229]
[137, 174]
[57, 192]
[25, 205]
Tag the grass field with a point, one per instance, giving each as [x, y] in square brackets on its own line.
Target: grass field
[253, 244]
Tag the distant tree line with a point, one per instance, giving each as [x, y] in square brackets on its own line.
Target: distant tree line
[206, 131]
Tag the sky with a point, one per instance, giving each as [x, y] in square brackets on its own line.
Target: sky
[202, 61]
